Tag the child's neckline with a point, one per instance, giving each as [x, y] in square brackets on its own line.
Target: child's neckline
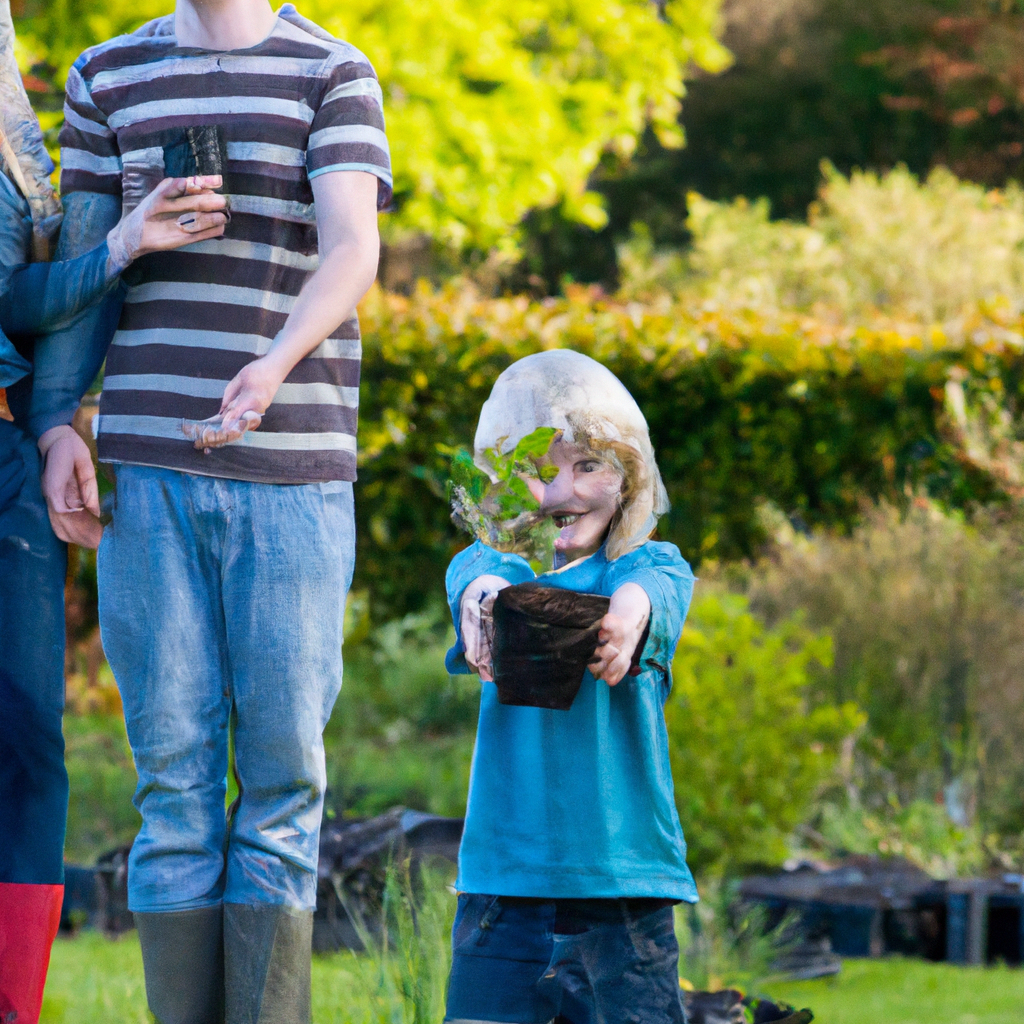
[571, 565]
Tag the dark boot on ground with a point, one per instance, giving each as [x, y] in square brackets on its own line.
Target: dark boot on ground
[183, 954]
[29, 918]
[267, 962]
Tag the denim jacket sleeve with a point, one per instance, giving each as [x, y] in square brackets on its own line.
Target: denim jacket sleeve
[668, 582]
[67, 359]
[477, 560]
[43, 297]
[15, 239]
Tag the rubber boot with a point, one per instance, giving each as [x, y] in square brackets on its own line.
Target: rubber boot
[29, 919]
[268, 952]
[183, 955]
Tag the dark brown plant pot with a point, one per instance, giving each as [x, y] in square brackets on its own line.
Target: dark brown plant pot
[544, 638]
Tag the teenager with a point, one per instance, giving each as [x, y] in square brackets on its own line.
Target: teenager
[223, 574]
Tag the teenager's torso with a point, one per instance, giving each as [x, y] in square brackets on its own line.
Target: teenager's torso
[579, 803]
[296, 105]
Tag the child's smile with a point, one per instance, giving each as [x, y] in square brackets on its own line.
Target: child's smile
[581, 500]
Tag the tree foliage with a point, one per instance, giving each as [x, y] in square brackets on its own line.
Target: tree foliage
[863, 84]
[494, 107]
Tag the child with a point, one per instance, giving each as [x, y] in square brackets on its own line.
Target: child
[573, 855]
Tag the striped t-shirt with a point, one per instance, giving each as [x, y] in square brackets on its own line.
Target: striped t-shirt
[299, 104]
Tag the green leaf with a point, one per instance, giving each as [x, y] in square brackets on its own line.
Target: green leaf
[535, 445]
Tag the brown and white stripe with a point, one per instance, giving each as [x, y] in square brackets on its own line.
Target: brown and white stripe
[299, 104]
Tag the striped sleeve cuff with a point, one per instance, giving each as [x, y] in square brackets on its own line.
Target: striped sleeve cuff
[347, 133]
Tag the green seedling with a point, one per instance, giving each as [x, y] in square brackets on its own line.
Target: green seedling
[497, 507]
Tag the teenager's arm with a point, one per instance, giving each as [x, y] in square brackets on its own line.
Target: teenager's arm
[67, 360]
[346, 219]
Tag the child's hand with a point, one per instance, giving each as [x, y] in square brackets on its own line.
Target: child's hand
[477, 622]
[621, 630]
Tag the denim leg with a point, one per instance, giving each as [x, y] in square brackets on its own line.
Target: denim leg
[287, 568]
[33, 781]
[162, 625]
[618, 973]
[500, 950]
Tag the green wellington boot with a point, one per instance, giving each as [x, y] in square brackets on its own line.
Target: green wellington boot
[267, 962]
[183, 954]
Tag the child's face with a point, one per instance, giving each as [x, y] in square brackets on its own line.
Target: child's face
[582, 499]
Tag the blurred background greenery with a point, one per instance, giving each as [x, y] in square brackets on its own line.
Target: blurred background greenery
[795, 230]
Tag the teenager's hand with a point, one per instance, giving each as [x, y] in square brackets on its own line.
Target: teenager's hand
[69, 486]
[621, 630]
[177, 212]
[246, 399]
[476, 621]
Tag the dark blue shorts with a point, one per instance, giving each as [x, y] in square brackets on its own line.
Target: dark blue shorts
[529, 961]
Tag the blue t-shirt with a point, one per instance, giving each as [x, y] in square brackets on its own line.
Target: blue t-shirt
[578, 803]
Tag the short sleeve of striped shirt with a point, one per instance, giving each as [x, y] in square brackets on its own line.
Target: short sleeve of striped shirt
[90, 160]
[347, 133]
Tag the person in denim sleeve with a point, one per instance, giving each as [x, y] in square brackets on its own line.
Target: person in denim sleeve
[573, 855]
[43, 386]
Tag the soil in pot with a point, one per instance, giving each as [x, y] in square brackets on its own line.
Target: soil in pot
[543, 639]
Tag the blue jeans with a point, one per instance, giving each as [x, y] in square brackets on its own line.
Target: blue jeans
[221, 609]
[33, 781]
[531, 961]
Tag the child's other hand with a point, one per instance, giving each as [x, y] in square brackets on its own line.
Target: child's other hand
[621, 630]
[477, 622]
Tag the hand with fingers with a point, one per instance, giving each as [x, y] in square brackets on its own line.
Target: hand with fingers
[621, 630]
[179, 211]
[246, 399]
[477, 623]
[69, 486]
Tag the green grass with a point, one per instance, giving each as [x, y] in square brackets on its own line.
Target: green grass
[897, 991]
[94, 980]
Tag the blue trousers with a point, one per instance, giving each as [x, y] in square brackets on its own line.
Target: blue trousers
[532, 961]
[221, 609]
[33, 781]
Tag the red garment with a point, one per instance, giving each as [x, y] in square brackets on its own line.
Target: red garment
[29, 918]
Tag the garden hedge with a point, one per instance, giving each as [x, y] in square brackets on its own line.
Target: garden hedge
[743, 406]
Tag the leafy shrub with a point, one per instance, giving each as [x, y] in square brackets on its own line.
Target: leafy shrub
[749, 753]
[402, 729]
[925, 251]
[926, 613]
[921, 831]
[102, 782]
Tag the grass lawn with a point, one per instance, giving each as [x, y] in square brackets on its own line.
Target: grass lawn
[97, 981]
[900, 991]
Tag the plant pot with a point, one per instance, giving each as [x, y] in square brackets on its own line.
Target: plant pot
[544, 638]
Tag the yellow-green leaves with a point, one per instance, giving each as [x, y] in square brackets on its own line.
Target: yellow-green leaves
[493, 107]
